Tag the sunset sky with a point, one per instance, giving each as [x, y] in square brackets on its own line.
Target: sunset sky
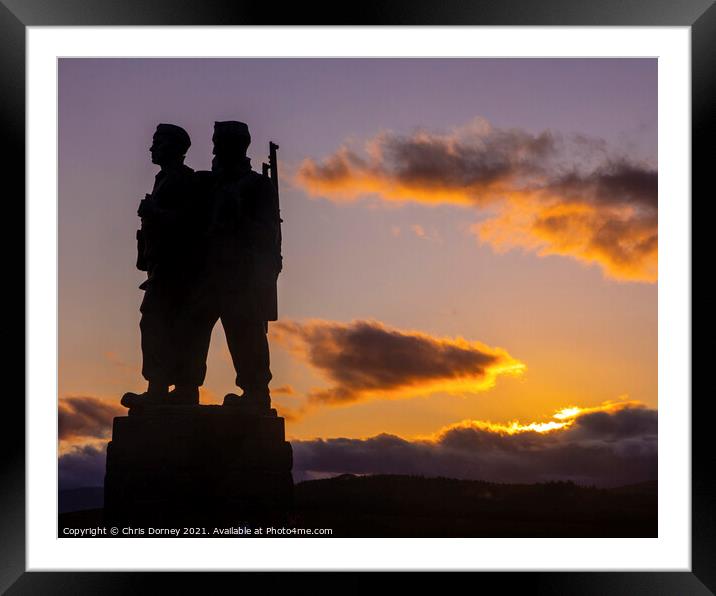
[470, 257]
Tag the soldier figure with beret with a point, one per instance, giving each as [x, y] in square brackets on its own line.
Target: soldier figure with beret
[243, 261]
[167, 246]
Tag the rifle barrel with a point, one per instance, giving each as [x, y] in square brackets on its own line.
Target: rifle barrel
[273, 163]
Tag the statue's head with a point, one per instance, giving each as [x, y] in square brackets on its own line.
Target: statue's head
[169, 144]
[231, 140]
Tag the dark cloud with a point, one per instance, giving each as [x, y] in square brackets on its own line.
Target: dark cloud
[474, 162]
[425, 161]
[80, 417]
[608, 446]
[616, 425]
[613, 183]
[549, 194]
[82, 466]
[363, 359]
[604, 448]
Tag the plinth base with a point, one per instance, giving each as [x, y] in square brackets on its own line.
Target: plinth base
[197, 464]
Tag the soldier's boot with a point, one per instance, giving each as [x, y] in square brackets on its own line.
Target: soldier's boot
[251, 399]
[184, 395]
[155, 395]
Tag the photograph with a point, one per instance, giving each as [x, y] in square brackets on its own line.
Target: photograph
[412, 285]
[358, 297]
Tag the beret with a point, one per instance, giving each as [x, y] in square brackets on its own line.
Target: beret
[177, 132]
[232, 129]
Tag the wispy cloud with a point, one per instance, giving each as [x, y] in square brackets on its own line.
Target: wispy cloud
[544, 193]
[283, 390]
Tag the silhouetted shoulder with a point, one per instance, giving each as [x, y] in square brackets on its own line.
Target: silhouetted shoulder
[260, 184]
[205, 177]
[183, 175]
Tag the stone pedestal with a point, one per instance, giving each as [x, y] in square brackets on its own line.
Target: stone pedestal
[197, 464]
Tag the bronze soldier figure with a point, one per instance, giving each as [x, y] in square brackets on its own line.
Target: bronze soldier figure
[243, 260]
[167, 247]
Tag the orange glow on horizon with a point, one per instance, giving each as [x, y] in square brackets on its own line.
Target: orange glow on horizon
[564, 419]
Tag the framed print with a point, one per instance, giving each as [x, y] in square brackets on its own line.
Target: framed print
[419, 284]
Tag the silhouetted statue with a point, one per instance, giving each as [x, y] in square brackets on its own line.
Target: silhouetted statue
[169, 251]
[211, 245]
[243, 260]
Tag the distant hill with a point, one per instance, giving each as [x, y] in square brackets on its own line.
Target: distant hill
[415, 506]
[78, 499]
[388, 505]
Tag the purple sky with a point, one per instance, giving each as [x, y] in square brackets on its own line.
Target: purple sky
[344, 262]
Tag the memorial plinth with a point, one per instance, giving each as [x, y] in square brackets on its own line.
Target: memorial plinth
[202, 464]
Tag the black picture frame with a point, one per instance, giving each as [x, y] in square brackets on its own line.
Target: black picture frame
[17, 15]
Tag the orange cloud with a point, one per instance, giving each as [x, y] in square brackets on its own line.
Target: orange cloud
[284, 390]
[367, 359]
[620, 238]
[546, 194]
